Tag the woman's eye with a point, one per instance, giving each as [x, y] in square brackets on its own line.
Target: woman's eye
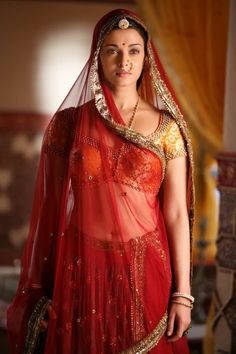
[134, 51]
[111, 51]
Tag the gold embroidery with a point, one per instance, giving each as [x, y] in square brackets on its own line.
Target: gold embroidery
[174, 143]
[168, 137]
[128, 165]
[137, 285]
[158, 246]
[33, 330]
[151, 340]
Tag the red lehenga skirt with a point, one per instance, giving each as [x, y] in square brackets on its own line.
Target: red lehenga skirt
[119, 300]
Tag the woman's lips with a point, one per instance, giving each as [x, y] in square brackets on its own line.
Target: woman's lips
[123, 73]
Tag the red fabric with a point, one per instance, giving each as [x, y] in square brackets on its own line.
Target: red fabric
[97, 242]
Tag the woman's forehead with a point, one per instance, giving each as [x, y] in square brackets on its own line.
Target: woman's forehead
[123, 36]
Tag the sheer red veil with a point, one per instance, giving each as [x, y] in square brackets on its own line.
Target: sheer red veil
[97, 244]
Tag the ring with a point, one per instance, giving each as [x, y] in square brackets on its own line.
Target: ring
[187, 331]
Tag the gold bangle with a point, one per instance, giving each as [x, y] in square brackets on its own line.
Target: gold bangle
[184, 295]
[182, 303]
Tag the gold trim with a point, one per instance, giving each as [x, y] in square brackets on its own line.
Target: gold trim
[33, 328]
[140, 140]
[137, 285]
[151, 340]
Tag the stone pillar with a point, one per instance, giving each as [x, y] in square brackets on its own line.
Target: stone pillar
[224, 325]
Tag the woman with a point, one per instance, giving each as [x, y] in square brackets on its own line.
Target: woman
[106, 268]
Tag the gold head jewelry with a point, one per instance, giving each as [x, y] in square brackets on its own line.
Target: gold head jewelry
[123, 23]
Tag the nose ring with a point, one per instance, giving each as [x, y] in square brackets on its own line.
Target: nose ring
[128, 65]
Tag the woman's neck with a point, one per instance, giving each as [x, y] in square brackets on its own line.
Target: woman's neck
[125, 98]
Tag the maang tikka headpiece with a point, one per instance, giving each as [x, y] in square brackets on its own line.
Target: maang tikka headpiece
[123, 23]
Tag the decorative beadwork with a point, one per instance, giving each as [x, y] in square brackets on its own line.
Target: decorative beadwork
[169, 138]
[129, 165]
[34, 329]
[151, 340]
[137, 283]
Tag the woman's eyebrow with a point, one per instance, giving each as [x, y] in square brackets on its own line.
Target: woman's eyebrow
[110, 45]
[115, 45]
[130, 45]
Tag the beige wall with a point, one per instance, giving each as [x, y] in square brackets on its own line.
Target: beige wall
[43, 48]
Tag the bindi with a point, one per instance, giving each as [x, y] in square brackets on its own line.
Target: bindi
[123, 43]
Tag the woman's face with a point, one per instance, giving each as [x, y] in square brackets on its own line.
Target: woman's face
[122, 57]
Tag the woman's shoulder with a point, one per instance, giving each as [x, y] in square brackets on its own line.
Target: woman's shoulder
[171, 136]
[167, 122]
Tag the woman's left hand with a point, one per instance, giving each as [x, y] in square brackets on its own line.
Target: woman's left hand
[178, 321]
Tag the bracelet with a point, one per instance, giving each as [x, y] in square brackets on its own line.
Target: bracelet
[184, 295]
[182, 303]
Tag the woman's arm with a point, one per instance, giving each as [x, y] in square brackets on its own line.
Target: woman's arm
[177, 225]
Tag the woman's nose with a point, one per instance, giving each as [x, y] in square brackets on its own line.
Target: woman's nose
[123, 60]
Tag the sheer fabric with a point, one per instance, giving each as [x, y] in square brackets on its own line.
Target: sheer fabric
[97, 244]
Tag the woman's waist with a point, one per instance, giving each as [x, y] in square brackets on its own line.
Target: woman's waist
[117, 240]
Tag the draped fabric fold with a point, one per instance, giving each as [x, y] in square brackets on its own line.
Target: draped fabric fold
[97, 245]
[191, 37]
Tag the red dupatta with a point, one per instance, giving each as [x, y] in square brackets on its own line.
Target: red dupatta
[97, 244]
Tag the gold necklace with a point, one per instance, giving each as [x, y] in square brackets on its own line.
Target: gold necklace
[133, 114]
